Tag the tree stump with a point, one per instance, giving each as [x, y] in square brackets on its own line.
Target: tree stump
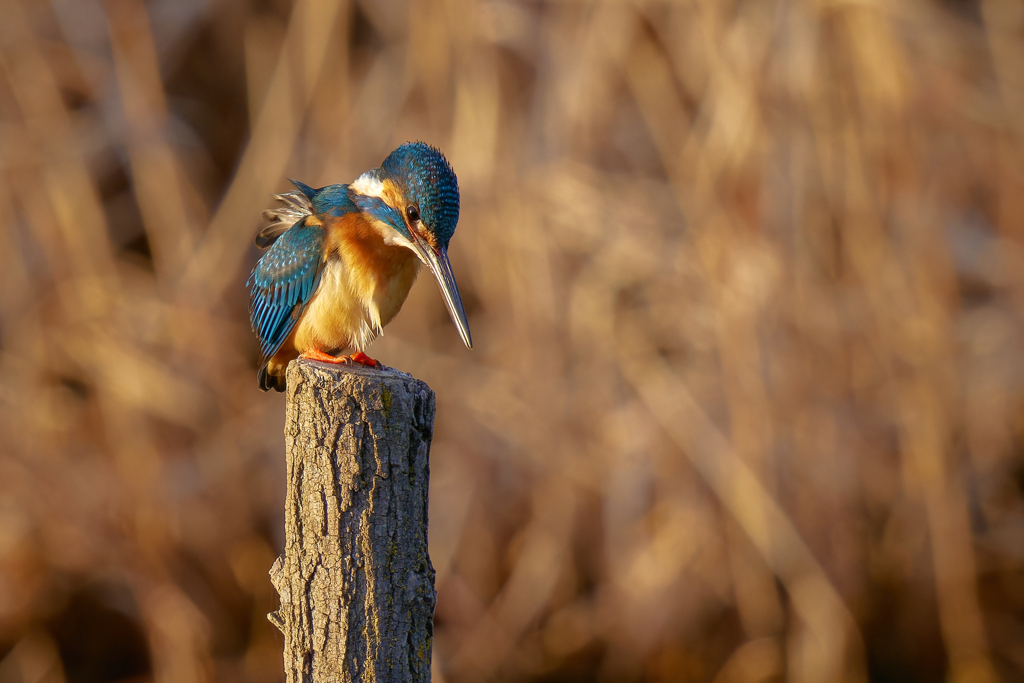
[356, 583]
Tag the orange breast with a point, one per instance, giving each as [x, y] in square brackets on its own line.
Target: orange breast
[364, 284]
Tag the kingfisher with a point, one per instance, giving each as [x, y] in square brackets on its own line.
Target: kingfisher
[341, 260]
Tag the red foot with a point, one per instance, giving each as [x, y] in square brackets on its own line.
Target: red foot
[360, 357]
[357, 357]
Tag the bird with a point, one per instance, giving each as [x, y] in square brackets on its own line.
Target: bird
[340, 260]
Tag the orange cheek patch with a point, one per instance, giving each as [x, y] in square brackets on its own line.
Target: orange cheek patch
[391, 195]
[429, 237]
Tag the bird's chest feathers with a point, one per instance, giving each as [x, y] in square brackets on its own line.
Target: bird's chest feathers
[363, 286]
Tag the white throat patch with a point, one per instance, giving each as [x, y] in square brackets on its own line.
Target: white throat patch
[392, 237]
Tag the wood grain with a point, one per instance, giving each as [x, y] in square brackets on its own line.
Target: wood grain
[356, 583]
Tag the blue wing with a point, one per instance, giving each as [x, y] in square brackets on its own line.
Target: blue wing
[283, 282]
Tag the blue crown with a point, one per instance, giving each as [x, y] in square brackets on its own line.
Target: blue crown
[430, 183]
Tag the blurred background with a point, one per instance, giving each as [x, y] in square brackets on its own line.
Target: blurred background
[746, 281]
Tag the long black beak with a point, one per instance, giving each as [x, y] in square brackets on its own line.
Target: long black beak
[441, 267]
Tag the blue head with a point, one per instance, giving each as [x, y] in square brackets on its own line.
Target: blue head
[415, 193]
[427, 181]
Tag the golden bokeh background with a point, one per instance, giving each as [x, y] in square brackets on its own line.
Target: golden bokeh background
[746, 282]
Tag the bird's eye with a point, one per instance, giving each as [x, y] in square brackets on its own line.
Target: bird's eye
[412, 212]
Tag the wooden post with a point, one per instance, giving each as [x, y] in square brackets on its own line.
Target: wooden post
[356, 583]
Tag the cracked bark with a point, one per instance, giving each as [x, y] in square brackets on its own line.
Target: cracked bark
[356, 583]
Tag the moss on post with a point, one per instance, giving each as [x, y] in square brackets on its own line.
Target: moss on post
[356, 583]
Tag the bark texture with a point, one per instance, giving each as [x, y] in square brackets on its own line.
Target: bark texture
[356, 583]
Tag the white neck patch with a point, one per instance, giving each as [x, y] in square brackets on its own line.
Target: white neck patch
[369, 185]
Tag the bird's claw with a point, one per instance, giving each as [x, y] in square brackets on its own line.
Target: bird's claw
[357, 357]
[360, 357]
